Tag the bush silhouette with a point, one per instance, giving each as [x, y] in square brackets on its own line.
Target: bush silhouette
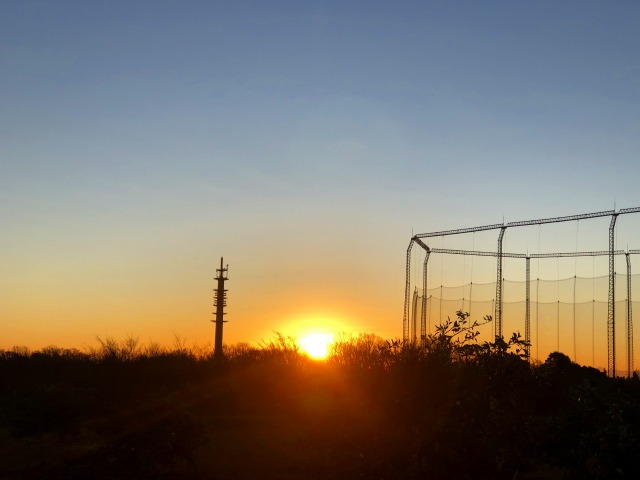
[450, 407]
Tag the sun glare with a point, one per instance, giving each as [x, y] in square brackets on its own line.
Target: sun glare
[316, 345]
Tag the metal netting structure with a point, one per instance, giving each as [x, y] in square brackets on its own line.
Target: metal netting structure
[419, 306]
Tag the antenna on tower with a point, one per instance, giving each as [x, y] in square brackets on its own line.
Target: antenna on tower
[220, 302]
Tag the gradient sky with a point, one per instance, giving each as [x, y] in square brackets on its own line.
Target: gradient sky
[302, 141]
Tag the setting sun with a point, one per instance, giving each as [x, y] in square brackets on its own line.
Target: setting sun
[316, 345]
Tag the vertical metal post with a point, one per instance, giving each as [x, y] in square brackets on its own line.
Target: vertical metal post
[629, 320]
[575, 341]
[423, 313]
[611, 317]
[538, 311]
[412, 329]
[527, 316]
[407, 295]
[499, 285]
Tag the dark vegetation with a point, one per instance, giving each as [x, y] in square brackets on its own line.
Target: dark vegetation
[375, 409]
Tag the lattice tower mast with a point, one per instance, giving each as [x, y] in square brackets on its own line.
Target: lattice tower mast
[220, 302]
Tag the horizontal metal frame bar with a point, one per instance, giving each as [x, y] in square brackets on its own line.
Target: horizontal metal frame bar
[530, 255]
[629, 210]
[543, 280]
[568, 218]
[459, 231]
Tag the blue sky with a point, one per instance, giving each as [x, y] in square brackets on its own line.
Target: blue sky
[139, 141]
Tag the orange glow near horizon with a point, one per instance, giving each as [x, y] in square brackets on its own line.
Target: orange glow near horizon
[316, 344]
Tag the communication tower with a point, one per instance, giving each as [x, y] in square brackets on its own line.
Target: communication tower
[220, 302]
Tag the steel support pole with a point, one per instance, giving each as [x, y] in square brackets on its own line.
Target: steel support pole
[527, 317]
[499, 285]
[629, 320]
[407, 294]
[423, 313]
[414, 307]
[611, 317]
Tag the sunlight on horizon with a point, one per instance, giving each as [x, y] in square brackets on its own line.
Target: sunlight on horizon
[316, 344]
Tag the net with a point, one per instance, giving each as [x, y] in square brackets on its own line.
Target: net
[573, 267]
[567, 315]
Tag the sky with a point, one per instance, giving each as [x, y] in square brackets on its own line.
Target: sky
[303, 141]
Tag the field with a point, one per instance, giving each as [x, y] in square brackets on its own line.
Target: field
[374, 409]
